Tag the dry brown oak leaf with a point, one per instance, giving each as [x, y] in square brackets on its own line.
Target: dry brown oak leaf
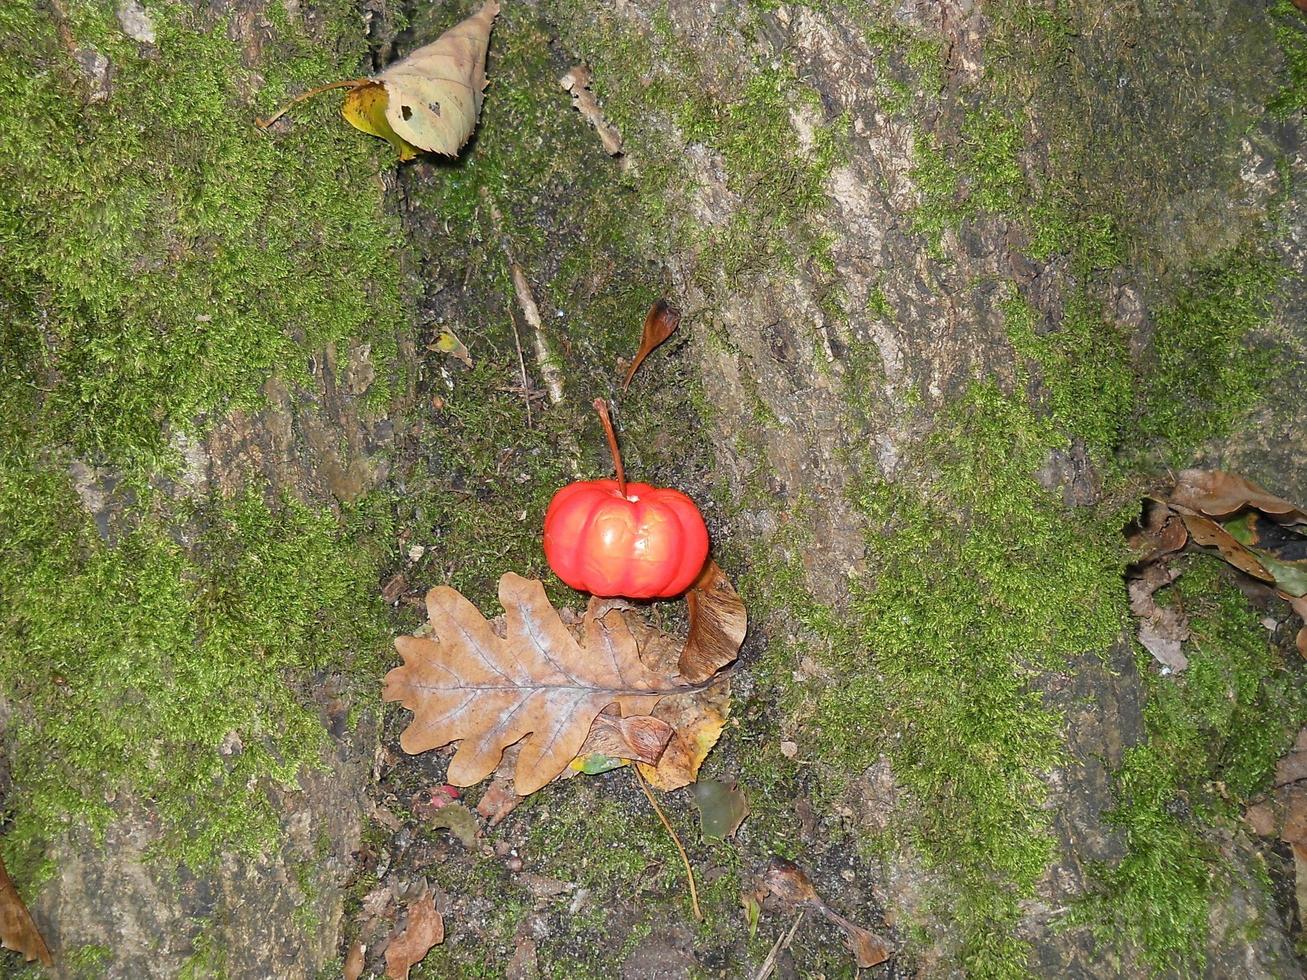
[537, 684]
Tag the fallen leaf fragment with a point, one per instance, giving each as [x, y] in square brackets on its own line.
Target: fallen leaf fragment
[17, 930]
[1209, 534]
[1220, 494]
[1162, 629]
[790, 887]
[640, 737]
[722, 807]
[538, 685]
[1159, 532]
[718, 622]
[659, 324]
[447, 343]
[459, 821]
[353, 967]
[424, 930]
[577, 82]
[698, 720]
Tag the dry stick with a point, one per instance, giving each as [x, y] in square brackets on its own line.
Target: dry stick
[782, 942]
[521, 364]
[352, 83]
[544, 356]
[685, 858]
[601, 407]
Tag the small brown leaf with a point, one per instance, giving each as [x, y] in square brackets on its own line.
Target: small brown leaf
[1219, 494]
[718, 623]
[1158, 532]
[1209, 534]
[660, 323]
[17, 930]
[425, 929]
[499, 800]
[643, 738]
[353, 968]
[722, 807]
[1162, 629]
[786, 881]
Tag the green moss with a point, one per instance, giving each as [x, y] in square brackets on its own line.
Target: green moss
[89, 961]
[173, 275]
[1085, 385]
[1203, 374]
[1292, 39]
[1214, 733]
[775, 181]
[131, 664]
[982, 583]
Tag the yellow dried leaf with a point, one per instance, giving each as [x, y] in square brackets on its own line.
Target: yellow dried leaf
[365, 109]
[434, 95]
[697, 721]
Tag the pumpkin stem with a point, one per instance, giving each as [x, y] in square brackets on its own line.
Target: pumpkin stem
[601, 407]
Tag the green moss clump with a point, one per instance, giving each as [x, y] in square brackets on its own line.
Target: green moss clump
[982, 175]
[131, 664]
[163, 275]
[1214, 733]
[1085, 385]
[981, 582]
[1202, 374]
[163, 258]
[1292, 38]
[776, 182]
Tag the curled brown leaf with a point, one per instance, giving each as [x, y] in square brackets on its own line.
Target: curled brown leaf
[1220, 494]
[17, 930]
[1158, 532]
[1209, 534]
[659, 324]
[643, 738]
[718, 622]
[424, 930]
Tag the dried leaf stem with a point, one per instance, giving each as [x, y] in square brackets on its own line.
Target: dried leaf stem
[685, 858]
[601, 407]
[350, 84]
[782, 942]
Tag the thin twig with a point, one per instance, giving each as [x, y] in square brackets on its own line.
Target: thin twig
[685, 858]
[545, 358]
[782, 942]
[352, 83]
[521, 364]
